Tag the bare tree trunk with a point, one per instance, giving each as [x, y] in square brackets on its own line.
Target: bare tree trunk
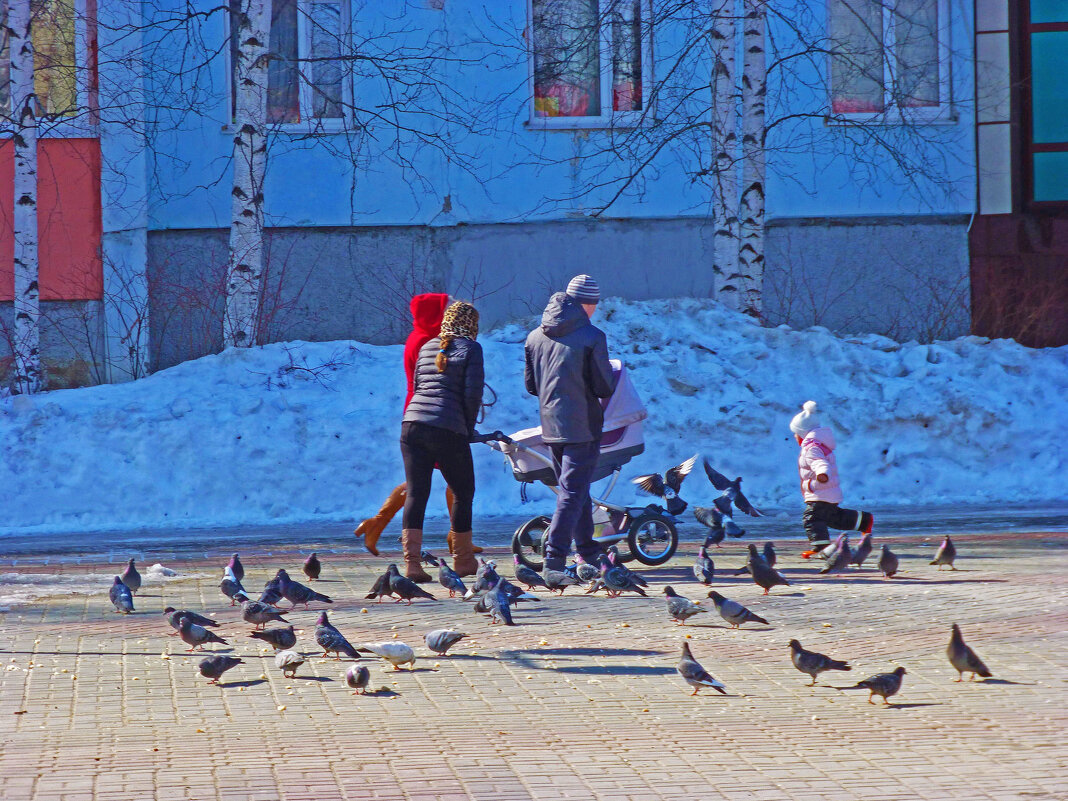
[754, 89]
[27, 345]
[725, 141]
[252, 28]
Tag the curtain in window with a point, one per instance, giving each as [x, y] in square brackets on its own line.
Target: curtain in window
[916, 80]
[626, 21]
[283, 71]
[55, 77]
[855, 28]
[567, 57]
[326, 69]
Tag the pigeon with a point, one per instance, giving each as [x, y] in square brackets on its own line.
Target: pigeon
[441, 640]
[396, 653]
[964, 659]
[524, 575]
[196, 636]
[236, 568]
[862, 551]
[381, 588]
[617, 561]
[769, 554]
[272, 592]
[884, 684]
[297, 593]
[288, 662]
[704, 569]
[121, 597]
[711, 518]
[732, 528]
[831, 551]
[763, 574]
[175, 615]
[618, 580]
[839, 560]
[405, 588]
[312, 566]
[212, 667]
[450, 579]
[947, 552]
[813, 663]
[667, 487]
[584, 571]
[260, 614]
[358, 677]
[231, 587]
[486, 578]
[279, 639]
[695, 675]
[428, 558]
[557, 580]
[681, 608]
[733, 612]
[888, 562]
[497, 603]
[131, 578]
[732, 493]
[331, 640]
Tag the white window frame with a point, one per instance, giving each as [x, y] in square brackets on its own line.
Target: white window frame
[892, 114]
[611, 119]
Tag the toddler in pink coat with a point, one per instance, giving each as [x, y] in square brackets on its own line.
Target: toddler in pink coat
[819, 482]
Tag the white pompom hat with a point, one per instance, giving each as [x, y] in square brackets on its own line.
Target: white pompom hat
[805, 420]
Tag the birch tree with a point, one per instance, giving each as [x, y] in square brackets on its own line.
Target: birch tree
[252, 28]
[751, 209]
[725, 141]
[27, 338]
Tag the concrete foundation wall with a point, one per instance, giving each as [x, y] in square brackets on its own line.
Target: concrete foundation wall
[72, 343]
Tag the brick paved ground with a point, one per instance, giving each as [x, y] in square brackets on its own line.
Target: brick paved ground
[580, 700]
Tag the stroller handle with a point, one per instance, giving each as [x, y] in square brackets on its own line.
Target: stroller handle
[493, 436]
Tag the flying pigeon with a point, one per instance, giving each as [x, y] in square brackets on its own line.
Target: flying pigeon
[236, 568]
[358, 677]
[428, 558]
[212, 667]
[618, 580]
[524, 575]
[331, 640]
[695, 675]
[121, 597]
[231, 587]
[175, 615]
[733, 612]
[450, 579]
[272, 592]
[713, 519]
[888, 562]
[196, 636]
[964, 659]
[396, 653]
[404, 587]
[441, 640]
[681, 608]
[312, 566]
[667, 486]
[381, 588]
[260, 614]
[131, 578]
[732, 493]
[884, 684]
[288, 662]
[839, 560]
[297, 593]
[947, 552]
[704, 569]
[769, 554]
[280, 639]
[813, 663]
[862, 551]
[763, 574]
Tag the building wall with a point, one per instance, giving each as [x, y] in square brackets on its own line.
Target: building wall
[72, 343]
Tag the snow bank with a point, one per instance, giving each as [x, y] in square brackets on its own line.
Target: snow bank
[308, 431]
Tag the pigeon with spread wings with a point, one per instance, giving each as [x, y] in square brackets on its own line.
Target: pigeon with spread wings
[668, 486]
[732, 493]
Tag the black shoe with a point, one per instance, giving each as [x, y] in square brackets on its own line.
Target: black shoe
[553, 563]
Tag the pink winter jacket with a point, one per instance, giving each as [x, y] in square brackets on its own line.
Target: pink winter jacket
[817, 457]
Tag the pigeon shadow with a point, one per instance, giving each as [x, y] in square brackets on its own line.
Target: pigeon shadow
[1002, 681]
[248, 683]
[470, 657]
[313, 678]
[726, 628]
[383, 692]
[586, 652]
[911, 706]
[613, 670]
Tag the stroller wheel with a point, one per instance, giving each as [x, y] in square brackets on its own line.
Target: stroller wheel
[527, 542]
[653, 539]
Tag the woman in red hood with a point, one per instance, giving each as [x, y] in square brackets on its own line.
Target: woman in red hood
[427, 311]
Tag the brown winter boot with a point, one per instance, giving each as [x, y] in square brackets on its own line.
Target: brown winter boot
[450, 499]
[371, 528]
[412, 539]
[464, 562]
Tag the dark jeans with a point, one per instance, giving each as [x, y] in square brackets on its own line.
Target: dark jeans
[424, 447]
[573, 464]
[819, 515]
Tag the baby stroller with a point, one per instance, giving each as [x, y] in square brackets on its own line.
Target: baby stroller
[650, 534]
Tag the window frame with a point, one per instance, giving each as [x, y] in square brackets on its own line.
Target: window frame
[1021, 29]
[613, 119]
[892, 114]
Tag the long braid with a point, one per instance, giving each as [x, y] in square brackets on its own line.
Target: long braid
[459, 320]
[442, 361]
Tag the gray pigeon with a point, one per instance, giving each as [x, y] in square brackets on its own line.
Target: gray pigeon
[405, 588]
[557, 579]
[813, 663]
[498, 603]
[839, 560]
[524, 575]
[260, 614]
[358, 677]
[732, 493]
[704, 569]
[888, 562]
[121, 597]
[618, 580]
[617, 561]
[763, 574]
[380, 589]
[733, 612]
[131, 578]
[231, 587]
[584, 571]
[441, 640]
[713, 519]
[236, 568]
[272, 592]
[947, 552]
[884, 684]
[428, 558]
[963, 658]
[331, 640]
[831, 551]
[667, 486]
[280, 639]
[485, 576]
[450, 579]
[695, 675]
[297, 593]
[312, 566]
[769, 554]
[681, 608]
[196, 636]
[212, 667]
[288, 662]
[862, 551]
[175, 615]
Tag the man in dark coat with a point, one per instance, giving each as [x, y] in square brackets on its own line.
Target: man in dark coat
[567, 368]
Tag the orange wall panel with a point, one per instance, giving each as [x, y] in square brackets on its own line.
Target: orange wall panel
[68, 219]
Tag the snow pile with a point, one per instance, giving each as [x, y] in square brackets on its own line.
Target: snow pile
[159, 573]
[308, 431]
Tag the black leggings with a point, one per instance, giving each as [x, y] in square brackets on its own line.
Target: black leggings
[820, 515]
[425, 447]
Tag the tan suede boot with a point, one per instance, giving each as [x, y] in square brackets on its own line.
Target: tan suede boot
[412, 540]
[371, 528]
[450, 499]
[464, 562]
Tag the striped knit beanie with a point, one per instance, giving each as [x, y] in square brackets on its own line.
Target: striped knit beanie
[583, 289]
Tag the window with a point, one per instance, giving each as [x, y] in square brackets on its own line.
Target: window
[890, 58]
[1044, 35]
[307, 81]
[590, 62]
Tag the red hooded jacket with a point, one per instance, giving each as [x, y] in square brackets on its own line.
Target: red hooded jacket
[427, 311]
